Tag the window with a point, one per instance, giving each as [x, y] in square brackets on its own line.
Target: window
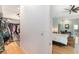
[75, 27]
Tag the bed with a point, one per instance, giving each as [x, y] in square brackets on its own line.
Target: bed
[61, 38]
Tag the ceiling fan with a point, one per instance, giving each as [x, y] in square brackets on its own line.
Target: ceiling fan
[73, 9]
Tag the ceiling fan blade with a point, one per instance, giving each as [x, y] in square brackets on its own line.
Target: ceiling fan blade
[72, 7]
[77, 8]
[75, 11]
[69, 11]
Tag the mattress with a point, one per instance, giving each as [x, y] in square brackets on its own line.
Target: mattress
[61, 38]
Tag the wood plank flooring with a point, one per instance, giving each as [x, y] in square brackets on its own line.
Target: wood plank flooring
[62, 49]
[12, 48]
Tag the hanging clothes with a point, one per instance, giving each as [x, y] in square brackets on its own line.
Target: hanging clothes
[6, 35]
[1, 42]
[18, 28]
[11, 29]
[14, 28]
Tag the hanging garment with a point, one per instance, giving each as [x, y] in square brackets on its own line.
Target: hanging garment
[6, 35]
[1, 42]
[14, 28]
[11, 29]
[17, 29]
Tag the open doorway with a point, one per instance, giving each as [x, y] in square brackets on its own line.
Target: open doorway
[65, 29]
[9, 27]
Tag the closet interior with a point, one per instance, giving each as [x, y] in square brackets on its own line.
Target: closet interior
[9, 28]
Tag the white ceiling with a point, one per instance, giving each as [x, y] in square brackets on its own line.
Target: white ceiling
[59, 11]
[11, 11]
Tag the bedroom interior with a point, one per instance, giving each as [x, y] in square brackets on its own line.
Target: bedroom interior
[65, 29]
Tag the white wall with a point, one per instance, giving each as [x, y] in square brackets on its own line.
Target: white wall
[35, 29]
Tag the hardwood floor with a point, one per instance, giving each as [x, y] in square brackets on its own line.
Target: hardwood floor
[12, 48]
[62, 49]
